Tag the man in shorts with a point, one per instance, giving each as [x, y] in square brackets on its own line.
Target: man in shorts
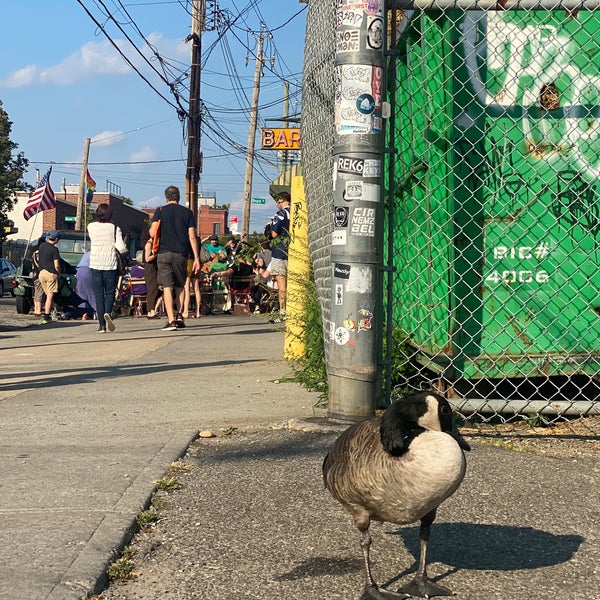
[177, 243]
[49, 260]
[280, 234]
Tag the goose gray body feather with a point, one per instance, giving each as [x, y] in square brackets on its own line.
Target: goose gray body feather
[398, 468]
[375, 485]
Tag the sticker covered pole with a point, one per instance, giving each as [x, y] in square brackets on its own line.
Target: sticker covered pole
[355, 325]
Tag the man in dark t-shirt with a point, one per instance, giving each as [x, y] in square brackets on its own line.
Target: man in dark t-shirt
[49, 258]
[177, 243]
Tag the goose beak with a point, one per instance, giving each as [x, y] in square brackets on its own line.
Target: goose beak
[460, 440]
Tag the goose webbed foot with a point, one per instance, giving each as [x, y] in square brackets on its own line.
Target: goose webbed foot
[423, 587]
[372, 592]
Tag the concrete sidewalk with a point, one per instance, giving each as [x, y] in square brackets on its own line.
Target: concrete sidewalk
[90, 421]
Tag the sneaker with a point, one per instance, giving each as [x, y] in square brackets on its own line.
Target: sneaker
[172, 326]
[101, 329]
[180, 322]
[109, 322]
[47, 319]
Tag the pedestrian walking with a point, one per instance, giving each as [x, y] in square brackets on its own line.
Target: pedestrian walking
[106, 240]
[175, 226]
[49, 258]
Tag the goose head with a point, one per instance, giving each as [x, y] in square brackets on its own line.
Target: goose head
[408, 417]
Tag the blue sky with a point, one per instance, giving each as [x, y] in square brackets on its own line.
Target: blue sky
[61, 81]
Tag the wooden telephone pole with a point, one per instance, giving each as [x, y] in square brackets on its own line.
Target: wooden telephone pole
[252, 137]
[82, 184]
[192, 175]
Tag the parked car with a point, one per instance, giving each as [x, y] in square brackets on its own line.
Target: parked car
[8, 272]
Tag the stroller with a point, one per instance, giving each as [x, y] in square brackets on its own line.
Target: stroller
[68, 304]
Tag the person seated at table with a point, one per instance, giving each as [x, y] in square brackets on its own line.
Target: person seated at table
[261, 290]
[212, 245]
[232, 246]
[218, 255]
[240, 268]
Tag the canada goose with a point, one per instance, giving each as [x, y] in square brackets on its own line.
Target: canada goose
[398, 468]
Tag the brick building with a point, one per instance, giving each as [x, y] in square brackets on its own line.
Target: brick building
[130, 219]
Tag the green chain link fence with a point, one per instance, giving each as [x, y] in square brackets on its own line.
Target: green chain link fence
[494, 214]
[493, 233]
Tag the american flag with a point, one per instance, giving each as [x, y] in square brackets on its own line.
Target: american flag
[42, 198]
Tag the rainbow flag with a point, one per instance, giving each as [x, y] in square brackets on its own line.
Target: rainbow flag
[91, 186]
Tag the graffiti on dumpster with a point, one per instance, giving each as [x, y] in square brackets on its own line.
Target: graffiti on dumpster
[528, 70]
[575, 203]
[523, 59]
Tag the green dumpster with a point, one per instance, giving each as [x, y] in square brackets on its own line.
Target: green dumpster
[496, 220]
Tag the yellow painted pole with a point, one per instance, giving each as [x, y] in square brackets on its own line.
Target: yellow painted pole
[298, 272]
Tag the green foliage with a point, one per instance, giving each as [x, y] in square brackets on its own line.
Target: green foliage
[168, 484]
[310, 371]
[12, 169]
[121, 569]
[401, 353]
[146, 518]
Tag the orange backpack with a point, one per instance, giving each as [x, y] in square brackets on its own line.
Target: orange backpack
[155, 234]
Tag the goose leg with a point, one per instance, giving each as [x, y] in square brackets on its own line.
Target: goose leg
[372, 591]
[421, 585]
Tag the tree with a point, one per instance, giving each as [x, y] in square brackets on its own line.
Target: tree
[12, 169]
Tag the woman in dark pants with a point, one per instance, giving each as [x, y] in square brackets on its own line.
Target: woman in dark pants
[153, 292]
[105, 239]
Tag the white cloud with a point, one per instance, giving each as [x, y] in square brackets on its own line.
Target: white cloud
[143, 155]
[152, 202]
[107, 138]
[93, 59]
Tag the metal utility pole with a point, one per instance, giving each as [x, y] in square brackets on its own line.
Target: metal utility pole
[356, 244]
[192, 175]
[252, 137]
[82, 183]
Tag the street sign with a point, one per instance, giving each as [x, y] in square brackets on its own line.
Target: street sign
[69, 219]
[259, 201]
